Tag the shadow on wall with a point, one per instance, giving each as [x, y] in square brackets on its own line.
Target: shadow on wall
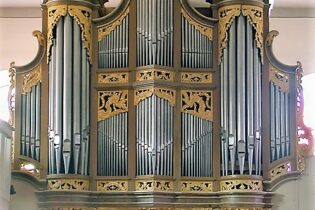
[24, 198]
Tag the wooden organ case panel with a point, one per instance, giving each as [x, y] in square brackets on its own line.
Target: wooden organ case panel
[155, 106]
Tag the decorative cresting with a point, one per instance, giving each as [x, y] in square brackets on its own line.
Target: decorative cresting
[81, 14]
[196, 77]
[203, 29]
[280, 170]
[198, 103]
[241, 185]
[163, 93]
[154, 74]
[112, 78]
[106, 30]
[31, 79]
[228, 14]
[197, 186]
[279, 78]
[68, 184]
[112, 103]
[154, 185]
[112, 186]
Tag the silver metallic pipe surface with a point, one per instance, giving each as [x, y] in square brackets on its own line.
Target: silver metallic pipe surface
[282, 124]
[32, 122]
[38, 127]
[27, 124]
[277, 113]
[23, 117]
[272, 121]
[287, 125]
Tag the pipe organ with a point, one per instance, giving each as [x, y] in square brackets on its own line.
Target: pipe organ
[154, 105]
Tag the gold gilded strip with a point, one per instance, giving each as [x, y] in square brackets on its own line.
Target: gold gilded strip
[154, 185]
[31, 79]
[279, 78]
[109, 78]
[68, 184]
[193, 77]
[112, 185]
[163, 93]
[241, 185]
[196, 186]
[155, 74]
[280, 170]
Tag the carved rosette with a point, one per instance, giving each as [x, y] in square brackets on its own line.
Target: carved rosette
[280, 170]
[280, 79]
[112, 103]
[227, 15]
[117, 186]
[155, 74]
[197, 103]
[241, 185]
[192, 77]
[31, 79]
[154, 185]
[163, 93]
[68, 184]
[111, 78]
[204, 30]
[105, 30]
[82, 15]
[196, 186]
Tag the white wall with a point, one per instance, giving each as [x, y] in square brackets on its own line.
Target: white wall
[25, 198]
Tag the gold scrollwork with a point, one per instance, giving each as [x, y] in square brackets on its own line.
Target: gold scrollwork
[204, 30]
[280, 170]
[193, 77]
[54, 14]
[155, 74]
[196, 186]
[11, 103]
[82, 15]
[255, 18]
[271, 36]
[112, 103]
[31, 79]
[68, 184]
[197, 103]
[104, 31]
[40, 37]
[226, 17]
[279, 78]
[105, 186]
[109, 78]
[229, 13]
[154, 185]
[163, 93]
[30, 168]
[241, 185]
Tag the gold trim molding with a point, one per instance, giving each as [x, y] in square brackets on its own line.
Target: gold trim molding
[112, 103]
[111, 78]
[68, 184]
[31, 79]
[280, 170]
[196, 186]
[198, 103]
[241, 185]
[112, 186]
[105, 30]
[154, 185]
[227, 15]
[193, 77]
[82, 15]
[155, 74]
[68, 208]
[163, 93]
[204, 30]
[279, 78]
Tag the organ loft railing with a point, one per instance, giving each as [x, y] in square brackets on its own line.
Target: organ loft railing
[154, 105]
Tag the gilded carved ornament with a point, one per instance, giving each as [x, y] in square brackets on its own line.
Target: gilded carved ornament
[198, 103]
[31, 79]
[104, 31]
[113, 185]
[68, 184]
[196, 186]
[154, 185]
[40, 37]
[110, 78]
[155, 74]
[11, 98]
[112, 103]
[280, 170]
[280, 79]
[193, 77]
[204, 30]
[227, 15]
[241, 185]
[163, 93]
[82, 15]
